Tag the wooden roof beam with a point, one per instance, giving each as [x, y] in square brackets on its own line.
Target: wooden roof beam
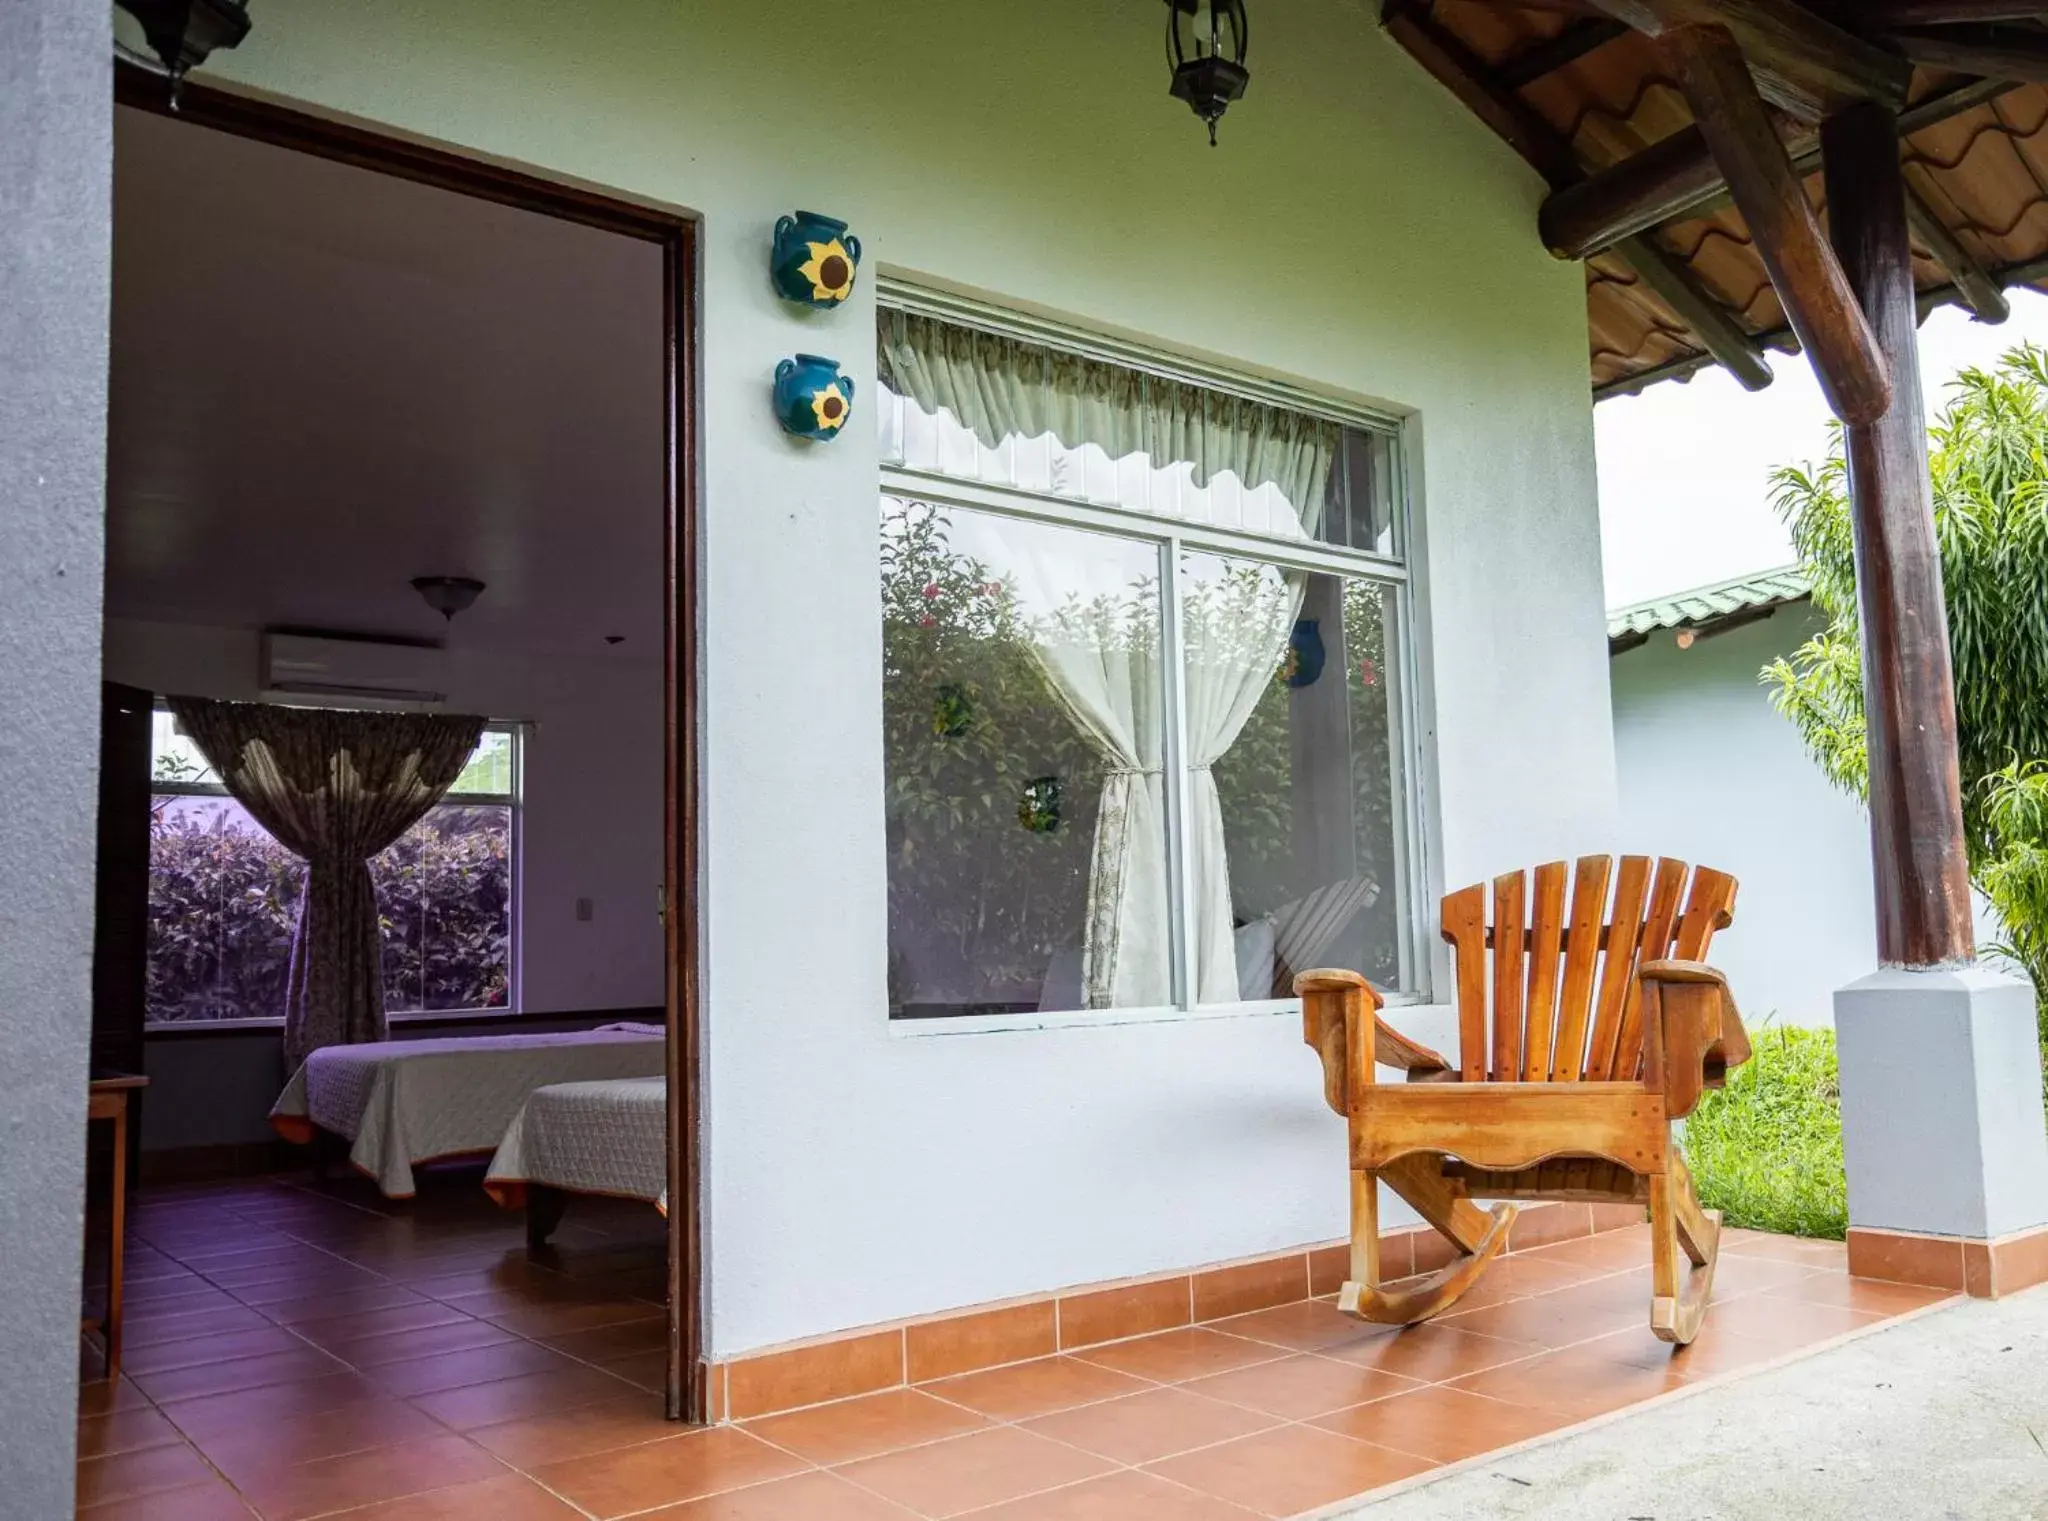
[1634, 13]
[1976, 287]
[1782, 339]
[1802, 62]
[1881, 14]
[1811, 286]
[1464, 74]
[1675, 285]
[1677, 177]
[2014, 53]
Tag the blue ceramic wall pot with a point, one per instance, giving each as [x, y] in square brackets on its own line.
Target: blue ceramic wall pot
[812, 399]
[814, 260]
[1305, 654]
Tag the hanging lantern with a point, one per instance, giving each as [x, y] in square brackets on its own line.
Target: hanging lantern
[183, 32]
[1205, 44]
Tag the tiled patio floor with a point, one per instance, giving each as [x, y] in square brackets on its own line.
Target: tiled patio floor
[295, 1353]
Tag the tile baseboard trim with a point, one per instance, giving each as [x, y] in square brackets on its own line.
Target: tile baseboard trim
[1982, 1269]
[871, 1359]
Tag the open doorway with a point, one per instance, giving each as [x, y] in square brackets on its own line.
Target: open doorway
[352, 377]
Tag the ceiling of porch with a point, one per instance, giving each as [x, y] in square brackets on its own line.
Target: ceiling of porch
[1577, 93]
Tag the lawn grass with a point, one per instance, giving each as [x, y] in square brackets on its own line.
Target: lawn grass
[1767, 1149]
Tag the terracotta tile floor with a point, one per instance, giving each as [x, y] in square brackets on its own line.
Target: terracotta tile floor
[299, 1351]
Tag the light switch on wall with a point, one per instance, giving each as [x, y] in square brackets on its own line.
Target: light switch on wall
[585, 910]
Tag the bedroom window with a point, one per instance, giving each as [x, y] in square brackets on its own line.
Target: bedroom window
[223, 895]
[1143, 685]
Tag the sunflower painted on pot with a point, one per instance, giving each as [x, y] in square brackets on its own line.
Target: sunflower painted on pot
[812, 398]
[814, 260]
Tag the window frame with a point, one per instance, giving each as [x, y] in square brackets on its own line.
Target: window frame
[511, 801]
[1170, 537]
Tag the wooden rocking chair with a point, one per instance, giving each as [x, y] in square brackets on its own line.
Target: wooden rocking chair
[1569, 1094]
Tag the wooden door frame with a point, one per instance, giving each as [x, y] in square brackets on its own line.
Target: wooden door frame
[349, 143]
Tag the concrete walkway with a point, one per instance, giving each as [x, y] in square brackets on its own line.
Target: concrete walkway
[1943, 1417]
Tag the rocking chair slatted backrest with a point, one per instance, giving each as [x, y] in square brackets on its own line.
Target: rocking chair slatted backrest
[1617, 977]
[1566, 1001]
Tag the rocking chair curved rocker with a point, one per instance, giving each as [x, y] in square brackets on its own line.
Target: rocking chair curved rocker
[1601, 1029]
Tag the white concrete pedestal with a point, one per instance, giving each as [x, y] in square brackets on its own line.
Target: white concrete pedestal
[1942, 1122]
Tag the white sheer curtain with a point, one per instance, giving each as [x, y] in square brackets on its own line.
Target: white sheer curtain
[1236, 617]
[1003, 390]
[1106, 675]
[1090, 615]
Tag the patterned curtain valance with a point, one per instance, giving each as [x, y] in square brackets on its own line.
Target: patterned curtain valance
[999, 387]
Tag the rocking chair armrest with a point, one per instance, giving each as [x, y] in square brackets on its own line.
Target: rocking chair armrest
[1340, 1021]
[1410, 1056]
[1694, 1033]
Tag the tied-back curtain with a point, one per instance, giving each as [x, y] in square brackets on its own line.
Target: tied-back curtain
[1235, 629]
[999, 387]
[334, 788]
[1105, 674]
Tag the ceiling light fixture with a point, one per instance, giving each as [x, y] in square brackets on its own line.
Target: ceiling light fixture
[1207, 55]
[183, 32]
[448, 595]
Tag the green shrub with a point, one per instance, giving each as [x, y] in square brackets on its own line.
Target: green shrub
[1767, 1149]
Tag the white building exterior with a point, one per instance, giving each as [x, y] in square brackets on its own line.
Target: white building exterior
[1712, 772]
[1358, 236]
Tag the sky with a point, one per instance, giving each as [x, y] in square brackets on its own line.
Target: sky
[1685, 467]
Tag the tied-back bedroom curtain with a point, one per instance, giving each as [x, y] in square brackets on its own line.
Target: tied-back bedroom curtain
[334, 788]
[998, 388]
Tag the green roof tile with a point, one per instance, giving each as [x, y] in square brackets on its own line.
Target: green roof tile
[1703, 604]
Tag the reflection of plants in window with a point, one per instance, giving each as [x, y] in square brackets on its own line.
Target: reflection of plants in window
[1255, 778]
[977, 907]
[1372, 764]
[1220, 613]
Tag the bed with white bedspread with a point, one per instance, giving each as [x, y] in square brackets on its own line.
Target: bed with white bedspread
[587, 1138]
[404, 1102]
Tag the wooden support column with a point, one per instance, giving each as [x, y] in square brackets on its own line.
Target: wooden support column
[1916, 813]
[1816, 297]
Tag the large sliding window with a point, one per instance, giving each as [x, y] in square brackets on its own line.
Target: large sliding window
[1143, 685]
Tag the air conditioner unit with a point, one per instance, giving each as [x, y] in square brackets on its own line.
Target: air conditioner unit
[360, 670]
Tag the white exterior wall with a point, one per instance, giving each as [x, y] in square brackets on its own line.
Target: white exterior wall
[1712, 772]
[1356, 231]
